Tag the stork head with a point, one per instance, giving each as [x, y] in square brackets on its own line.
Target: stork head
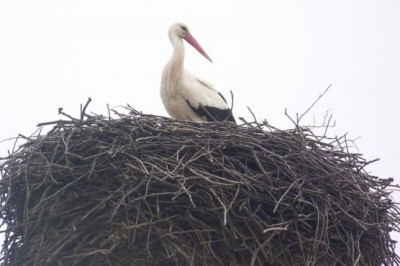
[182, 31]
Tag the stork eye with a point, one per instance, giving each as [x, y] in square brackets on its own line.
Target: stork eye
[184, 28]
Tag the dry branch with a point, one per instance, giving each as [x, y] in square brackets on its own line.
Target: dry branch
[146, 190]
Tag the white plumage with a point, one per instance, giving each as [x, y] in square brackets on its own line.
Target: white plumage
[184, 95]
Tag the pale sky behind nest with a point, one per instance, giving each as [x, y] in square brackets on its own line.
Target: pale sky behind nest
[271, 54]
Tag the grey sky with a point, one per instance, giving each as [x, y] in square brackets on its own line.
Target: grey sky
[272, 54]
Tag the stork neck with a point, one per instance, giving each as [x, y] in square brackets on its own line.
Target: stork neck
[176, 63]
[179, 51]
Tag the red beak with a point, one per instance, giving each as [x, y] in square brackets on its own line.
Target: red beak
[192, 41]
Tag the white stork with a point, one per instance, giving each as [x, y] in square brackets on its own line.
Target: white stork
[184, 95]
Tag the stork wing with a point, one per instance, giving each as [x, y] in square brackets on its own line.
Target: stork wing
[213, 113]
[207, 102]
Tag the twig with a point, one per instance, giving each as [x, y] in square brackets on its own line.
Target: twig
[312, 105]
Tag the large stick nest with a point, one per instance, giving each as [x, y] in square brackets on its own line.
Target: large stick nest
[146, 190]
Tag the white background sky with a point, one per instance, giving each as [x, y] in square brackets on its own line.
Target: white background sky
[272, 54]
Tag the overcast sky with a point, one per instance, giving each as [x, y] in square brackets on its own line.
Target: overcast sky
[272, 55]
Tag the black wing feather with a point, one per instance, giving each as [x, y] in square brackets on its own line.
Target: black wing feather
[223, 98]
[213, 113]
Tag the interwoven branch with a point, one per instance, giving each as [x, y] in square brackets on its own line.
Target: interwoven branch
[146, 190]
